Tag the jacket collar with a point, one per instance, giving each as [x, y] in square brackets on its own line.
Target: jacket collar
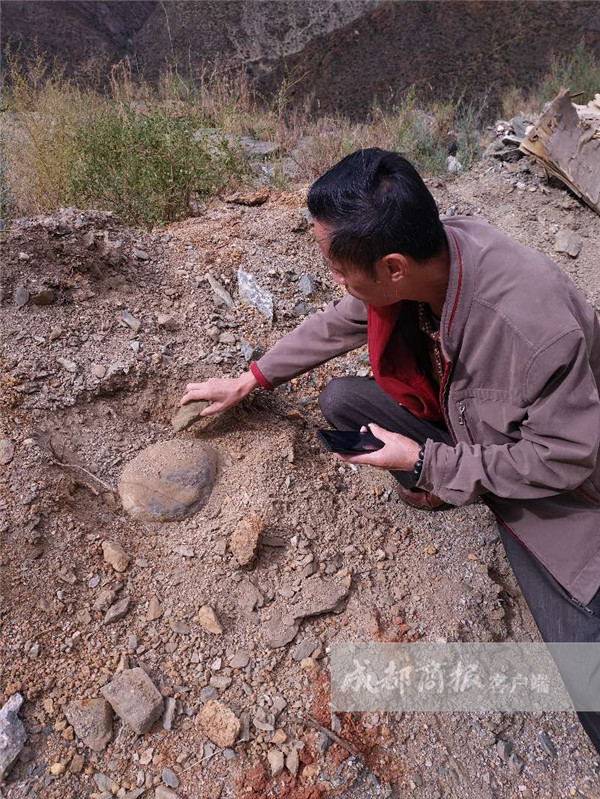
[459, 296]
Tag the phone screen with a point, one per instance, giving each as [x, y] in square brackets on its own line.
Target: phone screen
[349, 442]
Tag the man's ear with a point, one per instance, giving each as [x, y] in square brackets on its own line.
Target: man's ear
[396, 265]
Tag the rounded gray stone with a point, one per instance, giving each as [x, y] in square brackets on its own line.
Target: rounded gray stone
[168, 481]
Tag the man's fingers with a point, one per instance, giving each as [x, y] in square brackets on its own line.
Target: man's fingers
[215, 407]
[381, 433]
[367, 459]
[190, 396]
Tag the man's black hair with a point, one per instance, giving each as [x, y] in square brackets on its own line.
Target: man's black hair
[376, 203]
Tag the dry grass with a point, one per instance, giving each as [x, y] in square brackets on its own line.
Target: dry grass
[122, 144]
[579, 73]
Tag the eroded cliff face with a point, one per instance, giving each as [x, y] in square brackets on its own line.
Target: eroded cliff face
[73, 30]
[347, 52]
[248, 32]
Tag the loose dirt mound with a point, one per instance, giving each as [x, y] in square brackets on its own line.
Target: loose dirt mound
[87, 387]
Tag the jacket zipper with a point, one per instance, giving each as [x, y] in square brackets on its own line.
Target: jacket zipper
[462, 419]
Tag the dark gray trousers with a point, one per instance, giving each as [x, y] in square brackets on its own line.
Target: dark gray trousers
[349, 402]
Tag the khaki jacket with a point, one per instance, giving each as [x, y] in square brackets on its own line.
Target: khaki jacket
[520, 395]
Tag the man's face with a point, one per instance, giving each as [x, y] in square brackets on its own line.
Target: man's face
[385, 289]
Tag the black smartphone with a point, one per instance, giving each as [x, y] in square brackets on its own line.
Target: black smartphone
[349, 442]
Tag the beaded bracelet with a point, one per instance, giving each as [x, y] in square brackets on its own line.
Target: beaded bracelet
[416, 472]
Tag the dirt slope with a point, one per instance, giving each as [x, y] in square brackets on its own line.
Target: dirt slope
[411, 576]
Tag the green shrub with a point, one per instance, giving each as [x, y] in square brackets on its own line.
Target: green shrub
[147, 167]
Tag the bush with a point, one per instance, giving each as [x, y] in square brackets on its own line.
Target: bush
[147, 167]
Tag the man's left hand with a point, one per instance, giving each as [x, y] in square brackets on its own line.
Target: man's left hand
[399, 453]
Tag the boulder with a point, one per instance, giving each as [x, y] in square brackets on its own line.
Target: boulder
[168, 481]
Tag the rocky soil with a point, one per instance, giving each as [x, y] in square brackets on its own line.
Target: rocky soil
[190, 658]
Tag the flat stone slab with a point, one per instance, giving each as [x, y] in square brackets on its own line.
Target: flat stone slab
[168, 481]
[189, 414]
[135, 699]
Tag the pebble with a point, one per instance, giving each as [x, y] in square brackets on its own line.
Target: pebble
[219, 723]
[135, 699]
[169, 713]
[164, 793]
[117, 611]
[304, 649]
[179, 627]
[115, 555]
[169, 480]
[221, 292]
[453, 165]
[168, 321]
[103, 782]
[170, 778]
[207, 618]
[7, 451]
[292, 762]
[76, 764]
[141, 255]
[21, 297]
[306, 285]
[546, 743]
[131, 321]
[504, 749]
[515, 763]
[208, 693]
[569, 242]
[155, 610]
[56, 769]
[279, 737]
[240, 660]
[12, 733]
[275, 758]
[184, 551]
[244, 541]
[98, 371]
[105, 599]
[70, 366]
[91, 720]
[250, 352]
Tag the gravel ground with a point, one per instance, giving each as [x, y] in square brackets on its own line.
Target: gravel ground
[85, 390]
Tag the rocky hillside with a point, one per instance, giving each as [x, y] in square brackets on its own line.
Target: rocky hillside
[445, 48]
[348, 52]
[236, 32]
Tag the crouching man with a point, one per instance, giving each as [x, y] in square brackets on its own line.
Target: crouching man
[486, 368]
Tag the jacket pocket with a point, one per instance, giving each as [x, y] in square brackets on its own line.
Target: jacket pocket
[481, 419]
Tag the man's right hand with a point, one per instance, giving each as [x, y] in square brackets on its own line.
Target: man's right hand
[221, 392]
